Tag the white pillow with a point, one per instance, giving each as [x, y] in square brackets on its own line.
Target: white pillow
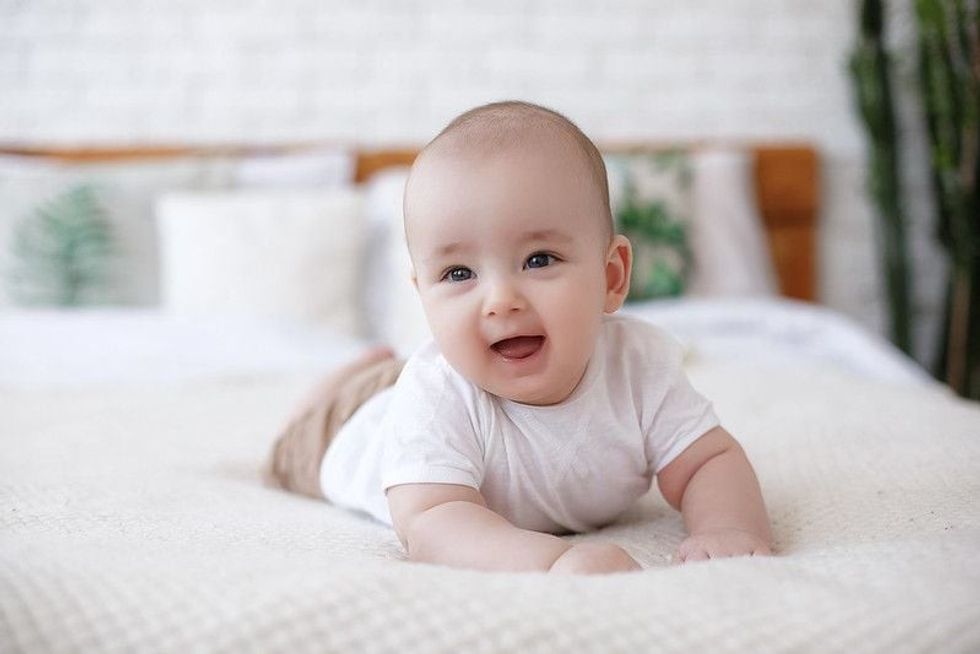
[275, 254]
[731, 255]
[394, 311]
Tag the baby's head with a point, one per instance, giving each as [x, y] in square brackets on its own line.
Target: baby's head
[509, 228]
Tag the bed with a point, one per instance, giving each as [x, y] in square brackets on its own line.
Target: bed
[134, 518]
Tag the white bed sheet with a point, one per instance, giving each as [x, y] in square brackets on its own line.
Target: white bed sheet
[133, 518]
[780, 333]
[70, 349]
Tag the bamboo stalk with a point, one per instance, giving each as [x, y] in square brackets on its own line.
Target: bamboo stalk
[949, 56]
[870, 67]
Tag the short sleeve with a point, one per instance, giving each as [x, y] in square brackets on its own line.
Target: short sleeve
[681, 414]
[431, 429]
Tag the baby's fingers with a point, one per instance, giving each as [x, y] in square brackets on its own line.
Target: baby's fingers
[689, 553]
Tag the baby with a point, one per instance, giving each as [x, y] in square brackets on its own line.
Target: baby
[535, 411]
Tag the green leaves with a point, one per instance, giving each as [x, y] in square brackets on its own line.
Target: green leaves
[949, 70]
[62, 251]
[949, 88]
[653, 223]
[661, 254]
[870, 73]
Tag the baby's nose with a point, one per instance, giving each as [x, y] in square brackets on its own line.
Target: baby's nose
[503, 298]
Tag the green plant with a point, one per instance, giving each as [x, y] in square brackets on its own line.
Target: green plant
[870, 72]
[949, 68]
[949, 87]
[61, 252]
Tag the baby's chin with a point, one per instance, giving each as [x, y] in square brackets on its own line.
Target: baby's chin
[522, 393]
[532, 395]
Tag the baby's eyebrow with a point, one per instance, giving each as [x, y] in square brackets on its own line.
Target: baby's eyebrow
[447, 249]
[454, 247]
[546, 235]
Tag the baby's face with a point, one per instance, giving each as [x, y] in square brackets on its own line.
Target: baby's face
[510, 259]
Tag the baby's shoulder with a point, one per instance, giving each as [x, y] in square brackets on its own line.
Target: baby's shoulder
[431, 400]
[643, 362]
[428, 378]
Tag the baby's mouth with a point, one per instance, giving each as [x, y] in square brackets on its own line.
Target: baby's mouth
[518, 347]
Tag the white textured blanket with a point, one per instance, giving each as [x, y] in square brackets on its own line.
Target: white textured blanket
[134, 520]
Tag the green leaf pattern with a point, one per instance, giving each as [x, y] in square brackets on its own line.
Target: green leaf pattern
[62, 251]
[651, 194]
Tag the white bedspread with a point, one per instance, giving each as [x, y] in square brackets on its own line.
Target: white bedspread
[133, 519]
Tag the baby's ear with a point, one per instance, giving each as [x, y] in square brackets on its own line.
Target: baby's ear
[619, 263]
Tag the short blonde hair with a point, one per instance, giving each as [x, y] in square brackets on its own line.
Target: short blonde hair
[501, 124]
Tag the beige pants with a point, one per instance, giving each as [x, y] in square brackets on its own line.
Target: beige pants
[294, 463]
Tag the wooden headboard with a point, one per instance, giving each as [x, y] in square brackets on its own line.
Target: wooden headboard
[786, 180]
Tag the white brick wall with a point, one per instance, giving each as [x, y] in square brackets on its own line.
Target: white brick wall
[395, 71]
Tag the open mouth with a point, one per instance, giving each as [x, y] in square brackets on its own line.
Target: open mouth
[518, 347]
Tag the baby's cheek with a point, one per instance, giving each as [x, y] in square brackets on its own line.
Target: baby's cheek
[458, 344]
[580, 324]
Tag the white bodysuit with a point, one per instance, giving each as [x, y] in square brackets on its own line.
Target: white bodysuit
[573, 466]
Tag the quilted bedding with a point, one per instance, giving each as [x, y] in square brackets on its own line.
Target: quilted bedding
[132, 518]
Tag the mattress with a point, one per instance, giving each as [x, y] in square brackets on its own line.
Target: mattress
[134, 518]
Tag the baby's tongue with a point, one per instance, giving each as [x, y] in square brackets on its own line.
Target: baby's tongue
[519, 346]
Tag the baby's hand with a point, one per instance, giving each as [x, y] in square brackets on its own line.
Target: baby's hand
[719, 544]
[594, 559]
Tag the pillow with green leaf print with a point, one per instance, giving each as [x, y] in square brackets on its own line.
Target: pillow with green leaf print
[83, 233]
[651, 198]
[61, 253]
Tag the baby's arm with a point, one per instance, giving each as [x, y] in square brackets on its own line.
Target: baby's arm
[451, 525]
[712, 483]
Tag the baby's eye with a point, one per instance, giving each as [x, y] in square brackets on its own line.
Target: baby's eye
[539, 260]
[458, 274]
